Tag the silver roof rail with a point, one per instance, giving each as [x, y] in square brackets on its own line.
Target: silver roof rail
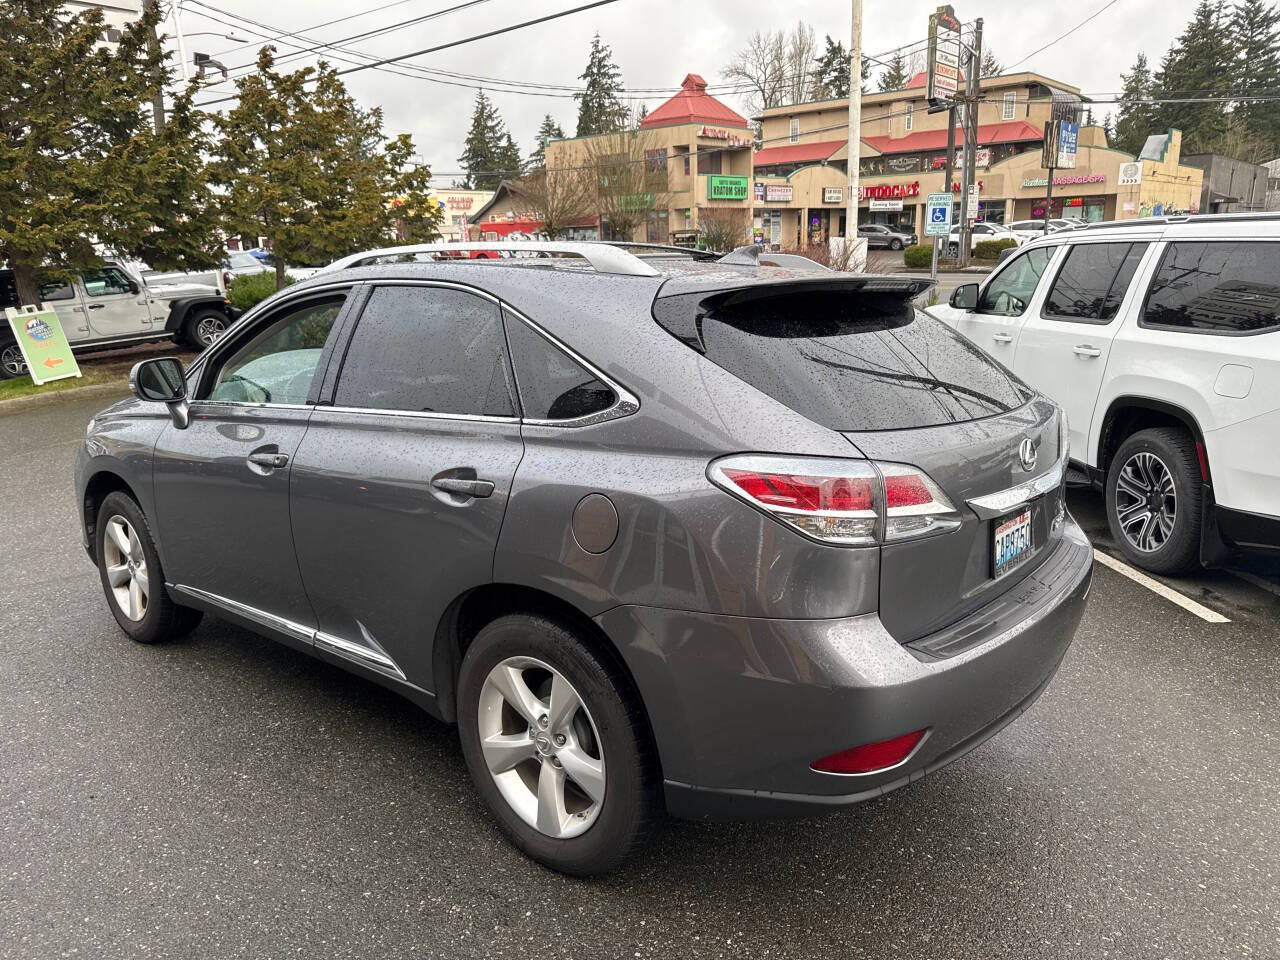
[1166, 220]
[603, 257]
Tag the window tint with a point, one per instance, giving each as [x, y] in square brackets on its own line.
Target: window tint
[8, 289]
[429, 350]
[1093, 281]
[278, 364]
[56, 291]
[553, 386]
[1231, 287]
[849, 361]
[104, 282]
[1009, 293]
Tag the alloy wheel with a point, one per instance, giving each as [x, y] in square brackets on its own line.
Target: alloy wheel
[11, 360]
[1146, 501]
[126, 568]
[541, 747]
[209, 329]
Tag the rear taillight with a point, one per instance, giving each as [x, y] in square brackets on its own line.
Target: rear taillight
[871, 757]
[848, 502]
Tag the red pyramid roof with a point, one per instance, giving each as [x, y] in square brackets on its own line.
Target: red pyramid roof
[693, 105]
[922, 79]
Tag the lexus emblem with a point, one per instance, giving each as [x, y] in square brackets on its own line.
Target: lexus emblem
[1027, 454]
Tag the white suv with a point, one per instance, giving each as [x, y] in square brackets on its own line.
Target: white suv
[1161, 339]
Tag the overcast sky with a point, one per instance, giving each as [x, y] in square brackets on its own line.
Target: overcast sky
[655, 43]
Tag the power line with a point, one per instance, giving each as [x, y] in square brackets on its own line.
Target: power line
[327, 23]
[1096, 13]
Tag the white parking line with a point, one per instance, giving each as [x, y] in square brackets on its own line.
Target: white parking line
[1155, 586]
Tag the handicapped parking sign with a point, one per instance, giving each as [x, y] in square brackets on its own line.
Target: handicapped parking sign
[938, 215]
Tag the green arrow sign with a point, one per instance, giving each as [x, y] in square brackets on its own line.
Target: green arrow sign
[43, 344]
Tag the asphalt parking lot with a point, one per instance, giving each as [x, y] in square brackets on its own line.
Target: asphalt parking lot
[228, 797]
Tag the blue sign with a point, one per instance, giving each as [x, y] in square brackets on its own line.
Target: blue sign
[937, 218]
[1068, 141]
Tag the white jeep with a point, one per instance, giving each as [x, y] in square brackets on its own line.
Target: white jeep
[1161, 340]
[110, 306]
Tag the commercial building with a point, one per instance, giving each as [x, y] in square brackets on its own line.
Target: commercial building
[800, 170]
[457, 207]
[1230, 185]
[695, 153]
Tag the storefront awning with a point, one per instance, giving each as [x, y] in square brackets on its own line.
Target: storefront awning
[1014, 131]
[798, 153]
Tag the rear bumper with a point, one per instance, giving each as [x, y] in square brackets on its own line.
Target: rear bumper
[740, 707]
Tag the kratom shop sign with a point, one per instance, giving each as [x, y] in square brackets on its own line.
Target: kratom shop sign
[726, 188]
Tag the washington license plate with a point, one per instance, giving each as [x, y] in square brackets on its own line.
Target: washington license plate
[1012, 542]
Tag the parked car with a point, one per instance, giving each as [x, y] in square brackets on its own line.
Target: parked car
[242, 262]
[982, 231]
[1036, 228]
[1161, 339]
[889, 238]
[722, 538]
[109, 307]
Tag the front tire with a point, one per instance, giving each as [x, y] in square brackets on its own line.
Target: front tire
[895, 245]
[1154, 500]
[11, 362]
[204, 328]
[132, 577]
[556, 745]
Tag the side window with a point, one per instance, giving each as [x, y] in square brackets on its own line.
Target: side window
[795, 129]
[56, 291]
[278, 364]
[104, 282]
[1228, 287]
[427, 350]
[1093, 280]
[1008, 294]
[1009, 105]
[553, 386]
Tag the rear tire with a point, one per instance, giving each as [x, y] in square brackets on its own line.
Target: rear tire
[606, 726]
[132, 577]
[895, 244]
[11, 363]
[1154, 500]
[204, 327]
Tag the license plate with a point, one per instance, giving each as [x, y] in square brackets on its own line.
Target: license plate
[1012, 542]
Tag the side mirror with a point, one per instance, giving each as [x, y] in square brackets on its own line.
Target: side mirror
[133, 287]
[963, 297]
[161, 381]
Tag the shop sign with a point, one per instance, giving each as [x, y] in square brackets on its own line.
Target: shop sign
[1068, 141]
[903, 164]
[1032, 182]
[943, 78]
[726, 188]
[759, 191]
[982, 158]
[833, 194]
[715, 133]
[778, 192]
[886, 205]
[42, 342]
[1130, 173]
[890, 191]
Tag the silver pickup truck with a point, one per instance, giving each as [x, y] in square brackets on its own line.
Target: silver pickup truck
[110, 306]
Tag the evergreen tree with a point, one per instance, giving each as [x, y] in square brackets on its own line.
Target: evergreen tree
[599, 108]
[489, 155]
[550, 130]
[991, 65]
[80, 158]
[1135, 115]
[1201, 63]
[895, 74]
[1088, 117]
[831, 75]
[1255, 32]
[1109, 129]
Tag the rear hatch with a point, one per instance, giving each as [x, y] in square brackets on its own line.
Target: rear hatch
[854, 354]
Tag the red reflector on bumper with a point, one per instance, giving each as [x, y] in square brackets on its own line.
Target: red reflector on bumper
[871, 757]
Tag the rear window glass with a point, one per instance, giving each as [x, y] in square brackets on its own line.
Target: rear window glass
[1093, 280]
[848, 360]
[1220, 287]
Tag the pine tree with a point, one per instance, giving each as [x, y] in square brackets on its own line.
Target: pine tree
[1088, 117]
[550, 130]
[599, 108]
[1255, 32]
[831, 75]
[895, 74]
[1135, 115]
[991, 65]
[489, 155]
[80, 159]
[1201, 63]
[1109, 129]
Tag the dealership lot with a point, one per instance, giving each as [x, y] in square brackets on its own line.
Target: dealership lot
[228, 796]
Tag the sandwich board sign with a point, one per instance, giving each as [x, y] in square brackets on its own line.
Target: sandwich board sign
[937, 217]
[43, 344]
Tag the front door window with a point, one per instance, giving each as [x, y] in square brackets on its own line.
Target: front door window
[278, 365]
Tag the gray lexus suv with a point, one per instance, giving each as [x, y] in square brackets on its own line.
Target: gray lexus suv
[722, 539]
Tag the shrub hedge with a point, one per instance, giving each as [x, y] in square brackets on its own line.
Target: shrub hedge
[990, 249]
[918, 256]
[249, 288]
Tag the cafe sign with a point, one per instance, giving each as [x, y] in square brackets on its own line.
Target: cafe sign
[833, 195]
[726, 188]
[729, 136]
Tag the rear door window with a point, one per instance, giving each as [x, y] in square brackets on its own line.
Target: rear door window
[1092, 282]
[428, 350]
[846, 359]
[1009, 292]
[1220, 287]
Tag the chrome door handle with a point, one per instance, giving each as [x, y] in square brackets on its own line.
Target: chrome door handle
[272, 460]
[96, 306]
[1002, 337]
[465, 488]
[1084, 350]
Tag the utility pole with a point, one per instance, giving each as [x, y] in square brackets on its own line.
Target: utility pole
[153, 48]
[855, 135]
[972, 88]
[182, 43]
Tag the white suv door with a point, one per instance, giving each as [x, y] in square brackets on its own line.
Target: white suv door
[1003, 304]
[115, 304]
[1065, 343]
[68, 303]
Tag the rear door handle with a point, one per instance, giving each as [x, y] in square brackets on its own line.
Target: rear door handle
[1084, 350]
[272, 460]
[465, 488]
[1002, 337]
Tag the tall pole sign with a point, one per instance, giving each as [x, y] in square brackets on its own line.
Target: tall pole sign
[858, 256]
[943, 78]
